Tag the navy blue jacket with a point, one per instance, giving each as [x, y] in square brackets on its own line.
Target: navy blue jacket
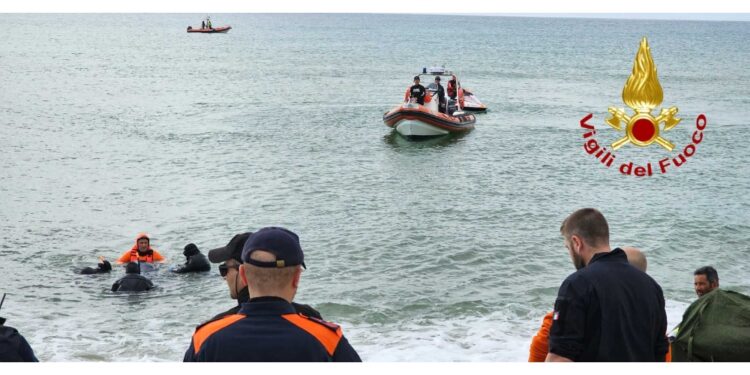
[14, 347]
[267, 329]
[609, 311]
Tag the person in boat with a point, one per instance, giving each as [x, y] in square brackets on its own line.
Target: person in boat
[417, 91]
[133, 281]
[267, 327]
[230, 257]
[203, 25]
[440, 94]
[195, 261]
[141, 252]
[208, 24]
[103, 267]
[13, 346]
[539, 347]
[607, 310]
[452, 87]
[705, 280]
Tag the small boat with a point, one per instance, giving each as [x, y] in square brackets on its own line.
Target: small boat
[413, 120]
[221, 29]
[472, 103]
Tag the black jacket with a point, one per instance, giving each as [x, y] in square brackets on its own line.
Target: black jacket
[14, 347]
[195, 263]
[609, 311]
[267, 329]
[418, 92]
[132, 283]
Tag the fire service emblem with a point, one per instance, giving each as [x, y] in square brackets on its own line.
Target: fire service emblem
[642, 94]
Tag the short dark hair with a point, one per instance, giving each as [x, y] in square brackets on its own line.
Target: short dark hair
[587, 223]
[711, 275]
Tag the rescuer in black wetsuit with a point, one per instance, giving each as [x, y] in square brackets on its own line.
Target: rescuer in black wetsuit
[132, 281]
[13, 346]
[196, 262]
[103, 267]
[417, 91]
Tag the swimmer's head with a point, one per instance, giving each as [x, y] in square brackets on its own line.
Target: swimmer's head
[133, 267]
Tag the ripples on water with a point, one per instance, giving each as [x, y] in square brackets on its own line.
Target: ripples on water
[439, 250]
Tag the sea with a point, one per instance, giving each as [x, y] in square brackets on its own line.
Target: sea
[440, 250]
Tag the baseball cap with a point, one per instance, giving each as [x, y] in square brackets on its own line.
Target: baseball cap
[233, 250]
[281, 242]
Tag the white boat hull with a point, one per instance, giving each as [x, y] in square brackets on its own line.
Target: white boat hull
[414, 128]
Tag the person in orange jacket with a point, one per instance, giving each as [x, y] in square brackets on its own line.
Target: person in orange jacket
[141, 252]
[540, 343]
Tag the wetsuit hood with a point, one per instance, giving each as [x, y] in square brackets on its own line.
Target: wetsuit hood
[190, 250]
[133, 268]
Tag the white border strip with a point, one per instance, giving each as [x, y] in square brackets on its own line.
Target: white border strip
[377, 6]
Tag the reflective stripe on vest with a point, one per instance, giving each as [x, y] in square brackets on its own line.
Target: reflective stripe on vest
[327, 337]
[203, 333]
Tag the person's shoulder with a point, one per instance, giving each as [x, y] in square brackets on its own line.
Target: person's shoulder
[206, 330]
[579, 281]
[216, 317]
[311, 323]
[306, 310]
[326, 333]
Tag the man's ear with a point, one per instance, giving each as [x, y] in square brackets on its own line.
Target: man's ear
[297, 275]
[242, 273]
[576, 244]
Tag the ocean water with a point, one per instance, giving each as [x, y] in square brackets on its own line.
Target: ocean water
[445, 250]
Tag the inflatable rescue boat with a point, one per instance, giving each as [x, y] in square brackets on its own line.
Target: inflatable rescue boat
[413, 120]
[222, 29]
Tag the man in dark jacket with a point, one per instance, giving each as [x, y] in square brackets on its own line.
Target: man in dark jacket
[13, 346]
[607, 311]
[133, 281]
[230, 258]
[196, 261]
[103, 267]
[267, 328]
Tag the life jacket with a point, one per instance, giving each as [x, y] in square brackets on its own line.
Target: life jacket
[451, 89]
[135, 257]
[132, 255]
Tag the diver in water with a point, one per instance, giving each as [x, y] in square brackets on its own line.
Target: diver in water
[141, 252]
[133, 281]
[103, 267]
[13, 346]
[196, 261]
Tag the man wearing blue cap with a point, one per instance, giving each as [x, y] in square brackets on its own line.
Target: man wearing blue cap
[267, 328]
